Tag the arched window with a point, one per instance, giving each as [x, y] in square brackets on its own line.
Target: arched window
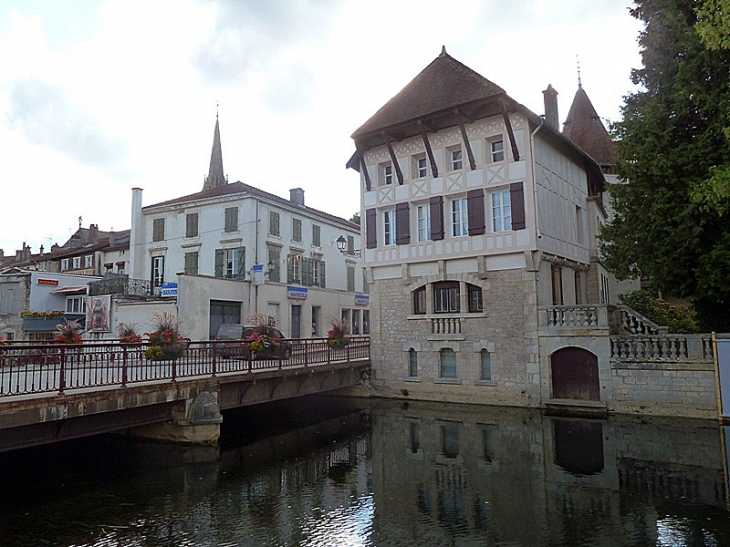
[448, 363]
[412, 363]
[419, 300]
[486, 362]
[476, 304]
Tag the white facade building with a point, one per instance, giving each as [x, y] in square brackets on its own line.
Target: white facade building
[233, 250]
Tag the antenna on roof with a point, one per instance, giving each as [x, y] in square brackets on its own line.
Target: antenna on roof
[443, 51]
[577, 60]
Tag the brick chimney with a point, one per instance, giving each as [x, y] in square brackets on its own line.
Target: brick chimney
[550, 97]
[93, 232]
[296, 195]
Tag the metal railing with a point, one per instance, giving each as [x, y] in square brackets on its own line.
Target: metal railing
[35, 368]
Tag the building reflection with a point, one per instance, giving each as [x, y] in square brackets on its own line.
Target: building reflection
[481, 475]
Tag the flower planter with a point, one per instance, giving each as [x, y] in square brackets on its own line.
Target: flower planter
[338, 343]
[166, 352]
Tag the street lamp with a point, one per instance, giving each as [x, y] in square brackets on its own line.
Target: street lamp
[342, 246]
[271, 266]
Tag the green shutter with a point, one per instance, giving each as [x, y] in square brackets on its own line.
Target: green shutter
[219, 262]
[290, 269]
[306, 272]
[241, 253]
[321, 275]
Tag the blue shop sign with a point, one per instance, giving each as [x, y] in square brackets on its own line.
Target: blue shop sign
[297, 293]
[362, 299]
[169, 289]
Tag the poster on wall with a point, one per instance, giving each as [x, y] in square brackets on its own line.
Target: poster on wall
[97, 313]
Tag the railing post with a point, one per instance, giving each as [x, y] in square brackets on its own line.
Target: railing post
[62, 372]
[215, 363]
[124, 366]
[174, 370]
[250, 360]
[306, 353]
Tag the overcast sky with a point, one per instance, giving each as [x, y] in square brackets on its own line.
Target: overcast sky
[100, 96]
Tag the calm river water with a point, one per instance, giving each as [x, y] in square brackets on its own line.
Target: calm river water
[344, 472]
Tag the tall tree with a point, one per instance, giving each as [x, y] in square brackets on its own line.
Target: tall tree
[670, 141]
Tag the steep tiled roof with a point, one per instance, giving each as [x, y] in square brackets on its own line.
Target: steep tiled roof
[444, 84]
[584, 128]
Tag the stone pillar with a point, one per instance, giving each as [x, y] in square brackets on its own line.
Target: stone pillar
[198, 423]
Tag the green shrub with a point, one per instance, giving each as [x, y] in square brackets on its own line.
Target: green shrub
[679, 319]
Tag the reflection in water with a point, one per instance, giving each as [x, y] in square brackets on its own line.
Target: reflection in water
[330, 472]
[578, 446]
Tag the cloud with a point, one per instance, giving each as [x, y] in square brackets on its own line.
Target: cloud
[252, 36]
[43, 114]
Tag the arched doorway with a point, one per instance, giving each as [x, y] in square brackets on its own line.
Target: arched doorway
[575, 375]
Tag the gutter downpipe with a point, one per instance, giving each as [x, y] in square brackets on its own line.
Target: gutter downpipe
[534, 180]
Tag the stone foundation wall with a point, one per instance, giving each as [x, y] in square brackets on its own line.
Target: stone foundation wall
[668, 389]
[507, 329]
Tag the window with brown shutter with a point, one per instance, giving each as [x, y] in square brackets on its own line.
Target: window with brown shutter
[402, 224]
[517, 203]
[437, 217]
[371, 234]
[475, 210]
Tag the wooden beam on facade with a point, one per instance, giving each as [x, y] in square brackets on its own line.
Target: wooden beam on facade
[393, 159]
[427, 144]
[510, 132]
[363, 167]
[464, 137]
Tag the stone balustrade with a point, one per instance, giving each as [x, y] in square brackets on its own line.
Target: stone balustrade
[662, 347]
[445, 325]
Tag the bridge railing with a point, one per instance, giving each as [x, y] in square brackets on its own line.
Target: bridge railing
[56, 368]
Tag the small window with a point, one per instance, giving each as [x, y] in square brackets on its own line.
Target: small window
[191, 225]
[158, 271]
[496, 150]
[448, 363]
[158, 229]
[231, 219]
[76, 262]
[296, 229]
[459, 217]
[501, 212]
[419, 300]
[486, 365]
[75, 304]
[64, 264]
[446, 297]
[476, 304]
[316, 235]
[386, 173]
[455, 159]
[412, 363]
[420, 169]
[316, 312]
[89, 261]
[274, 223]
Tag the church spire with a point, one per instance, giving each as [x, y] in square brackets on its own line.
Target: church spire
[215, 173]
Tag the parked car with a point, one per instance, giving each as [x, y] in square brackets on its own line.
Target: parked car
[236, 335]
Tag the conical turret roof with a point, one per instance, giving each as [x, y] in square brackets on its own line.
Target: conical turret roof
[584, 127]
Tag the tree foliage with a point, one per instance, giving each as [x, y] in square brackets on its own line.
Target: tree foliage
[677, 318]
[671, 141]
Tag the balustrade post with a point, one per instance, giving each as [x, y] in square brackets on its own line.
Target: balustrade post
[124, 366]
[214, 363]
[62, 372]
[174, 370]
